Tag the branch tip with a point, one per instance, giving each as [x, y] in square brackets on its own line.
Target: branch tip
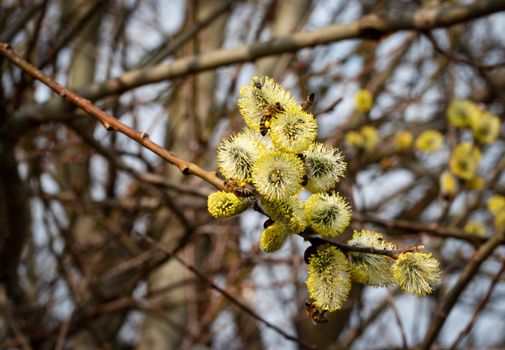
[107, 126]
[309, 100]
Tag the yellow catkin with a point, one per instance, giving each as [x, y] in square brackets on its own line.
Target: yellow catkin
[417, 273]
[496, 204]
[429, 141]
[403, 140]
[372, 269]
[328, 282]
[225, 204]
[465, 160]
[328, 213]
[273, 237]
[363, 100]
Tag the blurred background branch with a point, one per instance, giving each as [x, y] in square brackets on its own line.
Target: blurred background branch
[75, 199]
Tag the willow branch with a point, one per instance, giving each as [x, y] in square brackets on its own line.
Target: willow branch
[223, 292]
[416, 227]
[346, 341]
[392, 253]
[460, 60]
[109, 122]
[479, 308]
[451, 298]
[372, 26]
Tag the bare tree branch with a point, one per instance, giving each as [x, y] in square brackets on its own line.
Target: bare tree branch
[452, 296]
[369, 27]
[109, 122]
[227, 295]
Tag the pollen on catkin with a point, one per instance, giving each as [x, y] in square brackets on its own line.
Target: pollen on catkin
[294, 130]
[461, 113]
[255, 97]
[325, 167]
[237, 154]
[277, 175]
[328, 213]
[273, 237]
[328, 282]
[465, 160]
[225, 204]
[417, 273]
[429, 141]
[486, 128]
[287, 212]
[372, 269]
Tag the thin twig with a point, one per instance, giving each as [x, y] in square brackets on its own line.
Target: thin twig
[398, 320]
[368, 27]
[479, 308]
[171, 47]
[109, 122]
[346, 341]
[416, 227]
[392, 253]
[20, 337]
[60, 342]
[458, 59]
[224, 293]
[452, 296]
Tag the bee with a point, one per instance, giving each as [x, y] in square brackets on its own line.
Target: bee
[239, 189]
[316, 316]
[305, 180]
[267, 114]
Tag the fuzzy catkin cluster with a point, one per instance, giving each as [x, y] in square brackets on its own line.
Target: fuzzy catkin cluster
[277, 157]
[270, 163]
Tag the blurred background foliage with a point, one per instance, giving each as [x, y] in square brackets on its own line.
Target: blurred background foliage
[417, 114]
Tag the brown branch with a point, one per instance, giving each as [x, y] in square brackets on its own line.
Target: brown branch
[60, 341]
[346, 341]
[452, 296]
[171, 47]
[417, 228]
[224, 293]
[459, 59]
[29, 10]
[398, 320]
[109, 122]
[368, 27]
[479, 308]
[392, 253]
[20, 337]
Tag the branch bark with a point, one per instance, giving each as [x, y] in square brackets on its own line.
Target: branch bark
[368, 27]
[452, 297]
[109, 122]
